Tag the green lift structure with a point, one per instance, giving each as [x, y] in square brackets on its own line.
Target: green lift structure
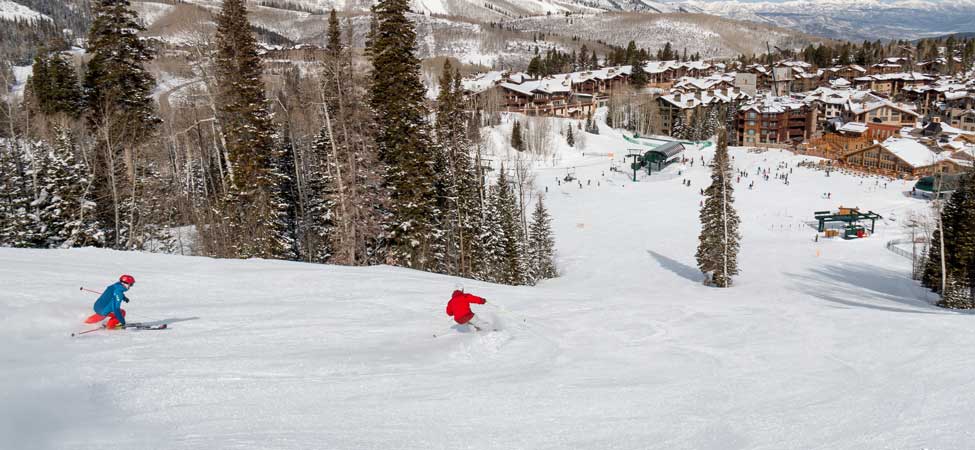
[851, 217]
[658, 158]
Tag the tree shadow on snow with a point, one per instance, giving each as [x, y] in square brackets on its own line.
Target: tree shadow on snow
[845, 284]
[169, 321]
[682, 270]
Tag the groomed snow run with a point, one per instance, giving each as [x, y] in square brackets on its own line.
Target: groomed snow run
[819, 345]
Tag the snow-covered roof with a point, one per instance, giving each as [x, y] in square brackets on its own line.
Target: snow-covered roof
[840, 83]
[872, 102]
[853, 127]
[853, 67]
[835, 96]
[548, 85]
[685, 101]
[606, 73]
[799, 64]
[904, 76]
[484, 81]
[773, 105]
[948, 129]
[704, 83]
[911, 151]
[663, 66]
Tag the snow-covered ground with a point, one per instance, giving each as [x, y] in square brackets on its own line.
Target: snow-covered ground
[822, 344]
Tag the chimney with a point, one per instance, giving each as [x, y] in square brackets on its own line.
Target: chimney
[697, 95]
[677, 97]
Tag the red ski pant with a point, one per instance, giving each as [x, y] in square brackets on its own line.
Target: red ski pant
[464, 319]
[112, 321]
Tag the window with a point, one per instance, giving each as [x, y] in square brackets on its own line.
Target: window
[752, 115]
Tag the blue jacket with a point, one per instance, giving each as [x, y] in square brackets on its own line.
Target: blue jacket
[111, 301]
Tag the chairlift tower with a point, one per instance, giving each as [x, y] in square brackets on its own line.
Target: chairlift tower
[637, 163]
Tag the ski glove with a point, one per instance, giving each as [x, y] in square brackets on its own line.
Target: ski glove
[125, 299]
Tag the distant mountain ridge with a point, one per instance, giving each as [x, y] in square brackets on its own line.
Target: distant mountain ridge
[855, 20]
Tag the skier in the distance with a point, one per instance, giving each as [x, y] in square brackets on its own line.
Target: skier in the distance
[110, 303]
[459, 307]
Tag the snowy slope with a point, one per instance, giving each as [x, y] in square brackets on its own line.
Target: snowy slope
[13, 11]
[819, 345]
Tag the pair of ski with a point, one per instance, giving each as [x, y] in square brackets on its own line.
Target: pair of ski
[129, 326]
[476, 330]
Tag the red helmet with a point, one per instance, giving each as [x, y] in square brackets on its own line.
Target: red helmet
[127, 279]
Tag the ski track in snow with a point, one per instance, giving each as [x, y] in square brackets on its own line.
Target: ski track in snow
[626, 350]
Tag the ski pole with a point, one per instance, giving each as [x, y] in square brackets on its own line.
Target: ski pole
[89, 290]
[87, 331]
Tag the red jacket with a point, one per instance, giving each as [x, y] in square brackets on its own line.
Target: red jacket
[459, 306]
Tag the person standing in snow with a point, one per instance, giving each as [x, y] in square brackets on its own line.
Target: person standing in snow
[110, 303]
[459, 307]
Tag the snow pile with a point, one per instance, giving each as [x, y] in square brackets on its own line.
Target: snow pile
[822, 344]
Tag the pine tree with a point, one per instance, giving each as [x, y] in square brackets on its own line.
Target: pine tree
[469, 182]
[717, 252]
[509, 251]
[638, 75]
[55, 85]
[448, 128]
[541, 245]
[403, 136]
[319, 221]
[517, 137]
[255, 213]
[679, 129]
[120, 112]
[457, 186]
[287, 192]
[569, 137]
[958, 223]
[931, 278]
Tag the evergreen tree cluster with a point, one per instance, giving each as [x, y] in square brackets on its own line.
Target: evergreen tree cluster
[552, 62]
[958, 224]
[517, 137]
[510, 254]
[45, 196]
[703, 124]
[868, 53]
[368, 179]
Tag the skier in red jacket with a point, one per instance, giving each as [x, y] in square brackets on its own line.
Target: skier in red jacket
[459, 307]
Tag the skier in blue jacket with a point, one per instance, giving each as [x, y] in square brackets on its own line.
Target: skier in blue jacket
[110, 303]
